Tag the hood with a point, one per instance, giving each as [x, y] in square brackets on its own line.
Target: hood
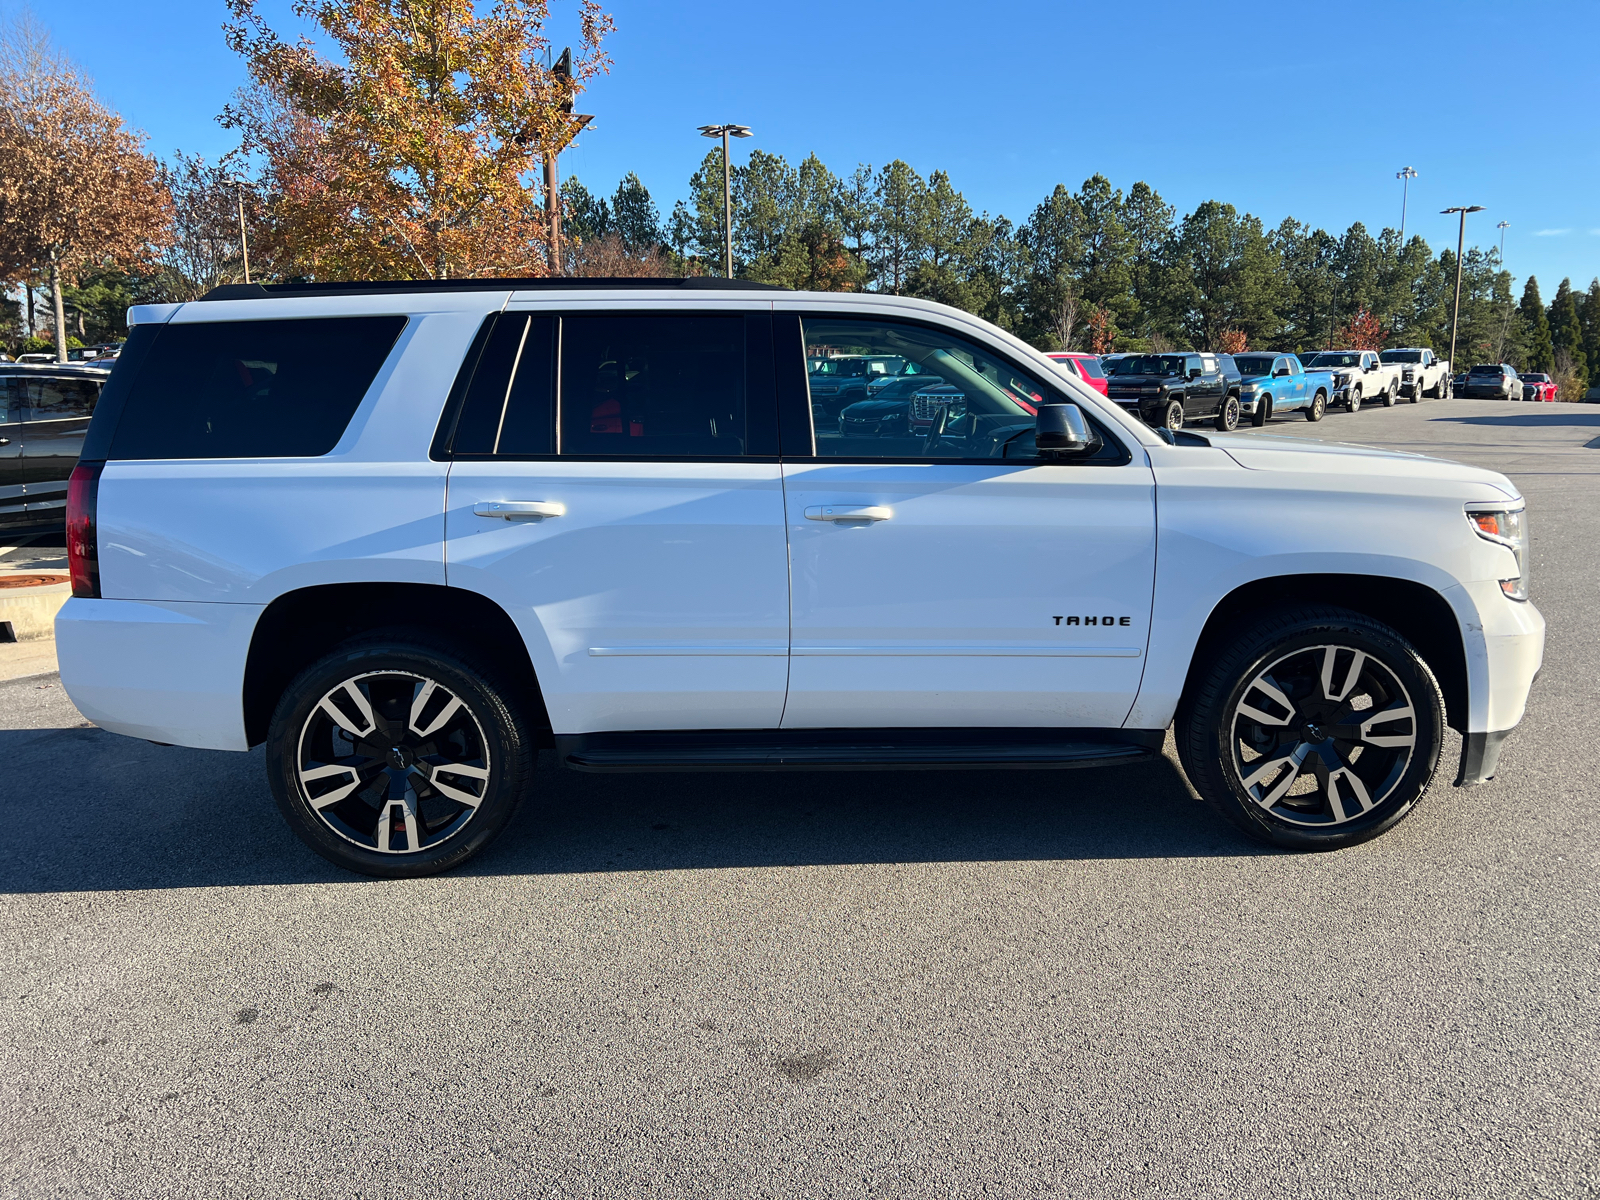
[1138, 380]
[863, 410]
[1261, 453]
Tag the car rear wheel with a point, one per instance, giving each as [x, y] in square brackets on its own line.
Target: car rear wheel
[1319, 407]
[1387, 399]
[1173, 417]
[1228, 415]
[1263, 412]
[397, 757]
[1315, 729]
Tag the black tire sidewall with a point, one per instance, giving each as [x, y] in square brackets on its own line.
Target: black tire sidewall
[1206, 729]
[509, 744]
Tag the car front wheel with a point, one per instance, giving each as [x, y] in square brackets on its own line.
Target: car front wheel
[1317, 729]
[397, 758]
[1354, 402]
[1173, 417]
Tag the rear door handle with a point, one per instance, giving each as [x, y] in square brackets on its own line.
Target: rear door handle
[519, 510]
[842, 514]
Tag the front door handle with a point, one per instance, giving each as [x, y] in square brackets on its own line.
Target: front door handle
[843, 514]
[519, 510]
[5, 441]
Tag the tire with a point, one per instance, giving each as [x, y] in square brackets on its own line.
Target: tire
[1228, 415]
[1263, 412]
[1447, 389]
[1352, 402]
[1248, 760]
[1319, 407]
[447, 771]
[1388, 398]
[1173, 417]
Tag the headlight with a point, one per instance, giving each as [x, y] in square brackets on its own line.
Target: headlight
[1152, 391]
[1246, 389]
[1507, 527]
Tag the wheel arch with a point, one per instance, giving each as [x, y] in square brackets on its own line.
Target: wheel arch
[1416, 611]
[301, 626]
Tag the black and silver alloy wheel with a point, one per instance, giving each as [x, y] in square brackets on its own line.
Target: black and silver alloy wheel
[1322, 735]
[393, 762]
[396, 758]
[1318, 729]
[1228, 415]
[1173, 418]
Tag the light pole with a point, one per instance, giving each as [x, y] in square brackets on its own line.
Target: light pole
[1502, 228]
[1405, 175]
[1461, 241]
[725, 132]
[244, 238]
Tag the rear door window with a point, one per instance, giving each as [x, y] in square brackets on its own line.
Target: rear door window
[251, 389]
[55, 399]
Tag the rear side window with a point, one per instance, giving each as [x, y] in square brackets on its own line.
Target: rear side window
[251, 389]
[43, 398]
[652, 386]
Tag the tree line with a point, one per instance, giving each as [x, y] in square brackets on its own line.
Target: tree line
[1097, 269]
[414, 152]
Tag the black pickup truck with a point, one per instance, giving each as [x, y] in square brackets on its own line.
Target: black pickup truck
[1168, 390]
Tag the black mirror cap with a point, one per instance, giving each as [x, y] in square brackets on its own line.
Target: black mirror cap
[1060, 431]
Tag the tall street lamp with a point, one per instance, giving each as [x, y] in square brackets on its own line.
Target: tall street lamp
[1405, 175]
[725, 132]
[1502, 228]
[1461, 241]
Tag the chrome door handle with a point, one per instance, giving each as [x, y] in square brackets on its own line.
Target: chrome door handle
[519, 510]
[5, 441]
[842, 514]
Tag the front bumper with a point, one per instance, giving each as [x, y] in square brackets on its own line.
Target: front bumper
[1513, 655]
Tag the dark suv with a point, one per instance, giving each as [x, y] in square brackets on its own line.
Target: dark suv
[44, 411]
[1168, 390]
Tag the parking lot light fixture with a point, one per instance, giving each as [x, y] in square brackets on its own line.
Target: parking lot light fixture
[1405, 175]
[1461, 241]
[725, 132]
[1502, 228]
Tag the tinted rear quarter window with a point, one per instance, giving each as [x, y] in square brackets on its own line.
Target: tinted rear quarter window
[251, 389]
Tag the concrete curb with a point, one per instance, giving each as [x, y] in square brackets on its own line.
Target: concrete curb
[32, 611]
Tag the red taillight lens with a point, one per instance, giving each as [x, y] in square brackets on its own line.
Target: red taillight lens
[83, 548]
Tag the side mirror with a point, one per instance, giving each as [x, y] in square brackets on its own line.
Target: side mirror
[1060, 431]
[1280, 371]
[1195, 372]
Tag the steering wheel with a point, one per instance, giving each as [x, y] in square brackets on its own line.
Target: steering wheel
[936, 434]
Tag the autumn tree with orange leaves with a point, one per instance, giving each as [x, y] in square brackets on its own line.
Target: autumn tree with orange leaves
[1363, 331]
[412, 156]
[77, 190]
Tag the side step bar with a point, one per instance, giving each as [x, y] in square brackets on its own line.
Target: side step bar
[855, 749]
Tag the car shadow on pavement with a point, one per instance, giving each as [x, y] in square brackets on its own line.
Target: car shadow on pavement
[1531, 420]
[86, 810]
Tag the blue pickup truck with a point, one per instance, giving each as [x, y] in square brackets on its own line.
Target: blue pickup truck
[1278, 384]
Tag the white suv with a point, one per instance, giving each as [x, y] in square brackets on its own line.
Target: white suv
[408, 534]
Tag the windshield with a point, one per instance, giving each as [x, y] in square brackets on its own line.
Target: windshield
[1400, 356]
[1534, 377]
[1253, 364]
[1336, 360]
[1149, 364]
[1486, 369]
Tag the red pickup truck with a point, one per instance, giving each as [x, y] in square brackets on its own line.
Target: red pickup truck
[1085, 366]
[1536, 385]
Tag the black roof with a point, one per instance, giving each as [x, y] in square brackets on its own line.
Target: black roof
[389, 287]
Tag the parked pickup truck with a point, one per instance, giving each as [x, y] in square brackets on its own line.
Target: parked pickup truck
[1422, 373]
[1280, 383]
[1359, 376]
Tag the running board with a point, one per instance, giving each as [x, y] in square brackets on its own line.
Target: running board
[855, 749]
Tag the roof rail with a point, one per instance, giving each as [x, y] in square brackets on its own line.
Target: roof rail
[388, 287]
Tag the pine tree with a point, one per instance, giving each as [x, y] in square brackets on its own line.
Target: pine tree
[1566, 335]
[584, 218]
[634, 216]
[898, 240]
[1589, 315]
[1537, 352]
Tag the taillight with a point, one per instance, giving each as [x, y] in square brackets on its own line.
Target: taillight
[83, 548]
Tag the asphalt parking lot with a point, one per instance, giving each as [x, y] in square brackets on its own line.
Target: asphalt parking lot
[1011, 984]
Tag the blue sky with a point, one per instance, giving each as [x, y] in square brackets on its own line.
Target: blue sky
[1280, 109]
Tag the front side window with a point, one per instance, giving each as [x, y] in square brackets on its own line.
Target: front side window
[251, 389]
[961, 402]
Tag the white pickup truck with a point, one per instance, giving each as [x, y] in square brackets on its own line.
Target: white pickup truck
[1422, 372]
[1358, 376]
